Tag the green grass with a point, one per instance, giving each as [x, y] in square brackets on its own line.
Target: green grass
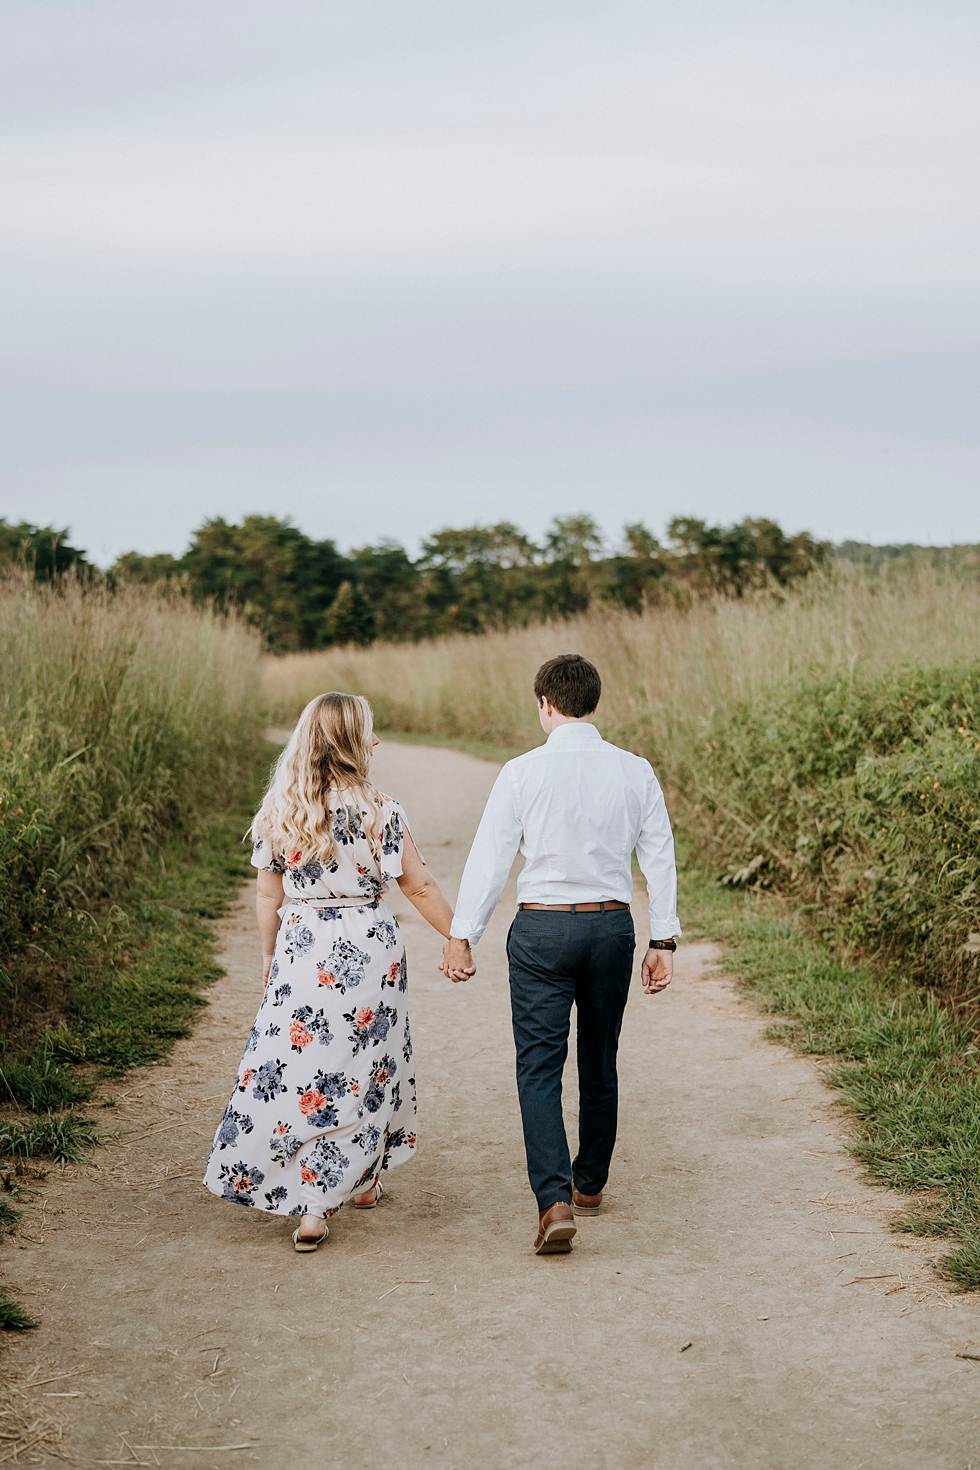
[908, 1066]
[132, 985]
[12, 1317]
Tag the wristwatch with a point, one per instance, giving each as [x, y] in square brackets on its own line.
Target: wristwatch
[670, 944]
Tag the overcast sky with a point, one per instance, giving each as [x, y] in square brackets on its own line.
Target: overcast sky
[390, 266]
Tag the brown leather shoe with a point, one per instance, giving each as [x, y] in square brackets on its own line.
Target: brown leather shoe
[586, 1204]
[555, 1230]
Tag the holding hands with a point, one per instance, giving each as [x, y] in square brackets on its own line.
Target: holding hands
[457, 960]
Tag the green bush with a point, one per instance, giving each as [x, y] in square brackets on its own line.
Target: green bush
[859, 797]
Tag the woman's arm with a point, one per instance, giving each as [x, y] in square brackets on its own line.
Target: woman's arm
[268, 902]
[422, 890]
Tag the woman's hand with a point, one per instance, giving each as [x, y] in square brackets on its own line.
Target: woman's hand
[457, 960]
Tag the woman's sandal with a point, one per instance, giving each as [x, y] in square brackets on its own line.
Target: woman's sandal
[309, 1242]
[378, 1189]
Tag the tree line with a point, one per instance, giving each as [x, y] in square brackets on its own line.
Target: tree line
[303, 593]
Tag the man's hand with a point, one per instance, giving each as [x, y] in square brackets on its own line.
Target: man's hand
[658, 970]
[457, 960]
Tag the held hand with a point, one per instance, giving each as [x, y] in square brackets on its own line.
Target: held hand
[658, 968]
[457, 960]
[266, 967]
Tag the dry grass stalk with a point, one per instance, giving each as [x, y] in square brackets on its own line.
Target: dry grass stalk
[25, 1423]
[667, 669]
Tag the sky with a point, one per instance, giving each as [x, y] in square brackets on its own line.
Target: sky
[388, 267]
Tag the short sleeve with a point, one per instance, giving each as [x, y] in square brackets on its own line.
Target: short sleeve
[263, 857]
[393, 839]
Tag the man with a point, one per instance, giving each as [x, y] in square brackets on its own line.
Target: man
[576, 808]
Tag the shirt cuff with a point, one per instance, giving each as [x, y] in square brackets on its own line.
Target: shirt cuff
[665, 928]
[457, 931]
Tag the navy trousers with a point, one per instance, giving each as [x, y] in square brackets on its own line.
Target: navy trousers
[557, 959]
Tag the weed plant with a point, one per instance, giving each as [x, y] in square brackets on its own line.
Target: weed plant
[124, 716]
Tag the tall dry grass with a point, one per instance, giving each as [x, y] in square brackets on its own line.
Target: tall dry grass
[121, 713]
[664, 672]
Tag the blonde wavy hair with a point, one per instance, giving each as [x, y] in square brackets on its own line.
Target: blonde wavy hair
[330, 748]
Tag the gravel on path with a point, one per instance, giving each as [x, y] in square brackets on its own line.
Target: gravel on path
[739, 1302]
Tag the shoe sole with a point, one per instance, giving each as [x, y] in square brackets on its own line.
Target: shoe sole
[557, 1239]
[303, 1247]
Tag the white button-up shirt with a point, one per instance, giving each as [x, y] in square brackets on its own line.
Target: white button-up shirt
[575, 807]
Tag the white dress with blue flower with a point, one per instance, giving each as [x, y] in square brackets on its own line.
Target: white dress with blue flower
[325, 1096]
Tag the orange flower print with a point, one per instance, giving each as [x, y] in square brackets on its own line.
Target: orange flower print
[355, 1087]
[410, 1140]
[311, 1101]
[293, 919]
[245, 1078]
[307, 1174]
[299, 1035]
[293, 858]
[363, 1018]
[324, 976]
[393, 970]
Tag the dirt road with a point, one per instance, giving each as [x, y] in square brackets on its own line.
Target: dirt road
[740, 1303]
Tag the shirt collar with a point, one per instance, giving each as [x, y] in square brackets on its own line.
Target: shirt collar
[585, 732]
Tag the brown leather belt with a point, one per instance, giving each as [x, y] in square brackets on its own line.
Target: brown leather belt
[577, 908]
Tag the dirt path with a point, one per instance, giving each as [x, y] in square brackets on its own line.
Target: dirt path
[426, 1333]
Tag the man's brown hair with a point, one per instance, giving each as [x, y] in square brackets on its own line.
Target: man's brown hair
[570, 683]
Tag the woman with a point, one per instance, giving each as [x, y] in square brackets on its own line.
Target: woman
[325, 1097]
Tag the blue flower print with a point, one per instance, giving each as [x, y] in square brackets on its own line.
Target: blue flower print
[252, 1041]
[283, 1145]
[325, 915]
[343, 968]
[274, 971]
[370, 1026]
[368, 1139]
[392, 838]
[281, 994]
[274, 1196]
[347, 825]
[268, 1081]
[307, 1024]
[407, 1045]
[231, 1125]
[239, 1182]
[299, 938]
[381, 1074]
[369, 885]
[306, 874]
[396, 1096]
[317, 1099]
[272, 1030]
[324, 1165]
[384, 929]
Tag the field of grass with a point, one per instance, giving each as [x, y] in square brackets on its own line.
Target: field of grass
[130, 757]
[821, 752]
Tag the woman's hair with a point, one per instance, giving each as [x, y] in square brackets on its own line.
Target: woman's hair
[330, 747]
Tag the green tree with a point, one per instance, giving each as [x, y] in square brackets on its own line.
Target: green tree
[350, 617]
[637, 574]
[752, 553]
[479, 577]
[42, 549]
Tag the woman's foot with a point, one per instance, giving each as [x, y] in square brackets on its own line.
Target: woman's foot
[369, 1198]
[312, 1229]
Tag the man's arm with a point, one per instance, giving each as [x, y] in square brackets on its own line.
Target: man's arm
[655, 854]
[494, 847]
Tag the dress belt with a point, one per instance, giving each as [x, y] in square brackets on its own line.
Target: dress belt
[346, 902]
[577, 908]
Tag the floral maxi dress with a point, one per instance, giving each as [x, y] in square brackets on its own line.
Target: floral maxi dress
[325, 1096]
